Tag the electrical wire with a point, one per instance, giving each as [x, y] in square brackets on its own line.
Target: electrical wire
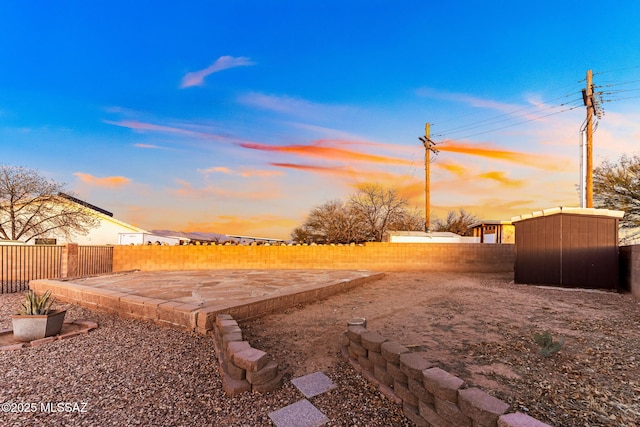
[502, 121]
[519, 123]
[509, 116]
[493, 122]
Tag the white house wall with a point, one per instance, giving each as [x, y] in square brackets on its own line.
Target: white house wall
[105, 234]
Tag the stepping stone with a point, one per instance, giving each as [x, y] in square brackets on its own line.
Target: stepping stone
[299, 414]
[313, 384]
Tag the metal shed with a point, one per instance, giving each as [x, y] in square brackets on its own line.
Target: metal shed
[571, 247]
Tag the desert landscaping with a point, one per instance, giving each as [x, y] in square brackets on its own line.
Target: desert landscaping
[478, 327]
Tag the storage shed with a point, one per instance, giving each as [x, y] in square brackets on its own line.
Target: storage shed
[565, 246]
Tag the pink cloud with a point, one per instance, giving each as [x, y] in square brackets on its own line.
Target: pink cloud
[196, 78]
[327, 149]
[107, 181]
[149, 146]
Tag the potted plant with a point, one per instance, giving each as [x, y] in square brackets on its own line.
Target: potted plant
[36, 319]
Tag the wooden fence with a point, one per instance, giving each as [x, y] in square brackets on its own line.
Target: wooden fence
[21, 263]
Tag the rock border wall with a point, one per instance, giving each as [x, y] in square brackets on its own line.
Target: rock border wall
[429, 395]
[243, 367]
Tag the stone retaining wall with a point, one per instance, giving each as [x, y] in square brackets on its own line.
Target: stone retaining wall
[244, 368]
[429, 395]
[193, 317]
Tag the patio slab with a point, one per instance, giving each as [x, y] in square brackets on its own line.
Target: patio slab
[299, 414]
[313, 384]
[191, 299]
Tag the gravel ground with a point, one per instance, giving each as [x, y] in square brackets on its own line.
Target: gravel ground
[130, 372]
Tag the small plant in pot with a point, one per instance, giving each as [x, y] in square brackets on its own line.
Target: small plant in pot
[36, 319]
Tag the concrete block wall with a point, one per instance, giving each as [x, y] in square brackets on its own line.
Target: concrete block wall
[630, 269]
[429, 395]
[244, 368]
[461, 257]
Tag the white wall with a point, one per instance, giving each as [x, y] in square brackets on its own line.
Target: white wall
[144, 238]
[106, 233]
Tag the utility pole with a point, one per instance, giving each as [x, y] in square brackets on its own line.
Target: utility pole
[587, 97]
[428, 149]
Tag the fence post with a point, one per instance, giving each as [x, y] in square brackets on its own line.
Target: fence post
[70, 260]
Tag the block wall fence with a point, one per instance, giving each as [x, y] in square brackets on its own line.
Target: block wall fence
[630, 269]
[462, 257]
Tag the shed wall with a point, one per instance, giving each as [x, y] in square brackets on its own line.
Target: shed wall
[568, 250]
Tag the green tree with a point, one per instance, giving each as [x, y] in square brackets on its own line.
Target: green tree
[31, 206]
[616, 185]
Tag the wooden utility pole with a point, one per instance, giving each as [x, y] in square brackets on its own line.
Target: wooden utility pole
[428, 148]
[587, 95]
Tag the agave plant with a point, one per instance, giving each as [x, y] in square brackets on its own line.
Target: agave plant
[35, 305]
[547, 345]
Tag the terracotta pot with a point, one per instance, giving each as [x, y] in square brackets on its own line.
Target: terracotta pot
[35, 327]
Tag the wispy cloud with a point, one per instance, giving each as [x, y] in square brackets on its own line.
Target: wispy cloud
[355, 175]
[186, 189]
[196, 78]
[107, 181]
[149, 146]
[190, 130]
[468, 99]
[243, 172]
[491, 152]
[503, 179]
[326, 149]
[294, 106]
[451, 167]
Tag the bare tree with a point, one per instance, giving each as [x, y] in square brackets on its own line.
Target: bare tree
[331, 222]
[30, 207]
[617, 186]
[366, 216]
[380, 206]
[457, 223]
[408, 220]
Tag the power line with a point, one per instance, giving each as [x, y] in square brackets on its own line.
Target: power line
[522, 115]
[498, 119]
[519, 123]
[618, 69]
[509, 116]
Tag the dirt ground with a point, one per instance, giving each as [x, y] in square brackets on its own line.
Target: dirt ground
[480, 328]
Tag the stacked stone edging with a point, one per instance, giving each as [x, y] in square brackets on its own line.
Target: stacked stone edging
[429, 395]
[244, 368]
[189, 316]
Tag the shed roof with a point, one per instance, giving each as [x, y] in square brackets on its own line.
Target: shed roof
[569, 210]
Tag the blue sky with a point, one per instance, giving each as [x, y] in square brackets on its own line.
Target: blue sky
[238, 117]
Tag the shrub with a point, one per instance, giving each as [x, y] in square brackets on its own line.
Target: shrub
[547, 345]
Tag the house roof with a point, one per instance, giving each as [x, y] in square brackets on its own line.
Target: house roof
[102, 213]
[86, 204]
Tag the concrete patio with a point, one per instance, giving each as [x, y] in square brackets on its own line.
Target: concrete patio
[191, 299]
